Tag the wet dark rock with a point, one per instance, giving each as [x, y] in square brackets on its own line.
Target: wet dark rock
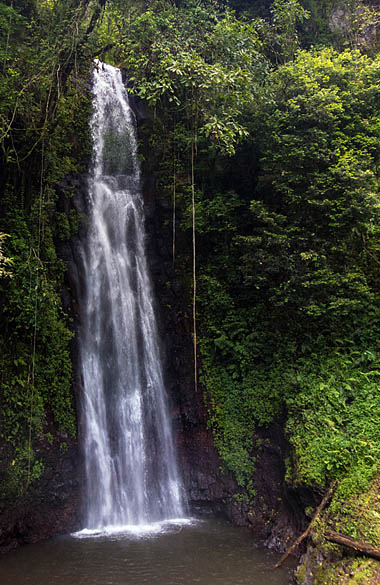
[50, 506]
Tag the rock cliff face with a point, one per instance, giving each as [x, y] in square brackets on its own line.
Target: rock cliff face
[356, 21]
[51, 505]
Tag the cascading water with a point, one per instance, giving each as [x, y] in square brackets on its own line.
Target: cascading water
[132, 476]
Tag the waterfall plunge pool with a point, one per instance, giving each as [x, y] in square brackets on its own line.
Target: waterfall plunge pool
[206, 552]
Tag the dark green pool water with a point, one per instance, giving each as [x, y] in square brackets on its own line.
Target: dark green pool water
[204, 553]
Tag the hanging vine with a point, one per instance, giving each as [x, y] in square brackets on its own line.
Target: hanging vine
[194, 265]
[36, 288]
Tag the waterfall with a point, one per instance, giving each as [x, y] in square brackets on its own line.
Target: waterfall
[131, 470]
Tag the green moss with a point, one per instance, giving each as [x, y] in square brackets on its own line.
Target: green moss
[349, 572]
[357, 515]
[22, 470]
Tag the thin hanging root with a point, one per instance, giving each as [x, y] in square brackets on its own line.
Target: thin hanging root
[194, 273]
[174, 207]
[31, 386]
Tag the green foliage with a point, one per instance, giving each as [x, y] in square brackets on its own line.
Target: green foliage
[333, 408]
[193, 59]
[231, 423]
[23, 469]
[288, 277]
[318, 213]
[44, 112]
[286, 15]
[4, 261]
[36, 384]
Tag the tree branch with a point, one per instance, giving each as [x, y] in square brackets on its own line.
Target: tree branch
[362, 547]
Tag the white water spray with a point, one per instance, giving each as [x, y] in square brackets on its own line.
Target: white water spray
[132, 476]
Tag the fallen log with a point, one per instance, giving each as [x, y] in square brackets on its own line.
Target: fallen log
[362, 547]
[306, 533]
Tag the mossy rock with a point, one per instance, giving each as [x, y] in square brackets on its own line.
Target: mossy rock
[359, 571]
[326, 563]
